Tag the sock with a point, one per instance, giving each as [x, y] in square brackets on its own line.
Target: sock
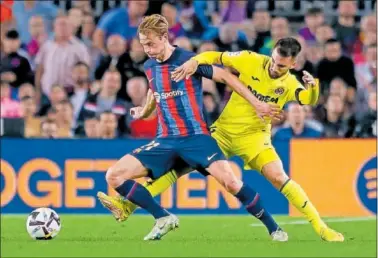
[157, 186]
[161, 184]
[137, 194]
[297, 197]
[249, 198]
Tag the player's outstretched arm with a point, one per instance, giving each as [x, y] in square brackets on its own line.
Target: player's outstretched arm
[209, 58]
[147, 109]
[230, 59]
[262, 108]
[190, 67]
[310, 95]
[235, 60]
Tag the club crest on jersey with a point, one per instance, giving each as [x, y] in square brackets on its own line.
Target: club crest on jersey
[279, 91]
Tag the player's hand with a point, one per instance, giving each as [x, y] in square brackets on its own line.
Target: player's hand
[308, 79]
[186, 70]
[269, 110]
[136, 112]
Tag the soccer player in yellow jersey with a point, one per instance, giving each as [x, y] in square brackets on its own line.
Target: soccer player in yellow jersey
[240, 131]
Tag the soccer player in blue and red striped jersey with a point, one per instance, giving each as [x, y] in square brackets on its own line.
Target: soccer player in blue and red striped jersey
[183, 137]
[179, 105]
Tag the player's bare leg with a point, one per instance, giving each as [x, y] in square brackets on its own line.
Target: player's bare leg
[120, 176]
[222, 171]
[115, 177]
[275, 173]
[277, 235]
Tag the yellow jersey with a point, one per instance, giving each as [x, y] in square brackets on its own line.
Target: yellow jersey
[238, 116]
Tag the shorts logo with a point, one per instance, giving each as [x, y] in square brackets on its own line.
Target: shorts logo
[279, 91]
[166, 95]
[366, 185]
[212, 156]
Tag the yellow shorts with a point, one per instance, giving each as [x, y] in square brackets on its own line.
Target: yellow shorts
[255, 149]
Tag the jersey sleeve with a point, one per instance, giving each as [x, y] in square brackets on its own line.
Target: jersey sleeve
[237, 60]
[302, 95]
[294, 88]
[205, 71]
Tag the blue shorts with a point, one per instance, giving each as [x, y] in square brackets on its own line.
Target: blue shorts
[162, 154]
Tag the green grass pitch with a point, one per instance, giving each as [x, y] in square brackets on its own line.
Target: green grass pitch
[198, 236]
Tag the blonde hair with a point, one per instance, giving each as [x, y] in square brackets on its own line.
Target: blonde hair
[154, 23]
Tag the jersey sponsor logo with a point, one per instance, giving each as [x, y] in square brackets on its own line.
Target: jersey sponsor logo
[279, 91]
[167, 95]
[234, 53]
[263, 97]
[366, 185]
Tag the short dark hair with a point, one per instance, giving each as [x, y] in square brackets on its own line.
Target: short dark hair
[106, 112]
[288, 47]
[209, 94]
[331, 41]
[111, 69]
[81, 63]
[12, 34]
[314, 11]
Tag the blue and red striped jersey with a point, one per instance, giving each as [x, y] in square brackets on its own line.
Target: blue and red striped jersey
[179, 104]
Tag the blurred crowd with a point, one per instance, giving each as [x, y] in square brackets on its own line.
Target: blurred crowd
[67, 73]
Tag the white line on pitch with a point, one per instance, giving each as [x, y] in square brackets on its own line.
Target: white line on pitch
[302, 222]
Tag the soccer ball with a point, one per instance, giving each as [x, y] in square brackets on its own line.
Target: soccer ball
[43, 224]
